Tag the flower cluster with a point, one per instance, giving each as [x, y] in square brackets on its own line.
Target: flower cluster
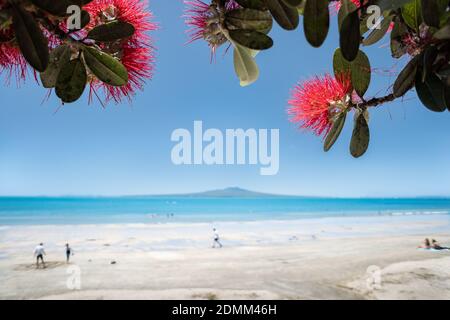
[12, 63]
[136, 53]
[205, 22]
[315, 102]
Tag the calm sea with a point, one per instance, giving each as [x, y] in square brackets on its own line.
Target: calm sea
[72, 210]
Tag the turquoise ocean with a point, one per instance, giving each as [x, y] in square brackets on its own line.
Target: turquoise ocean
[102, 210]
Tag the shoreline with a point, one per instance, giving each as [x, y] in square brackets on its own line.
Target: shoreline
[325, 258]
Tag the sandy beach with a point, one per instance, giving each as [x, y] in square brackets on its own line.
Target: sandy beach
[328, 258]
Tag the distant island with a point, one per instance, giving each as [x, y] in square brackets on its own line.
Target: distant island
[232, 192]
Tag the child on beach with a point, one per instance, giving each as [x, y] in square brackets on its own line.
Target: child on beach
[39, 253]
[435, 245]
[216, 239]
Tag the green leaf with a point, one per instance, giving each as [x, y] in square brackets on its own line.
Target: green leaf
[105, 67]
[378, 34]
[406, 79]
[412, 14]
[71, 81]
[59, 57]
[391, 4]
[252, 4]
[335, 131]
[111, 31]
[249, 19]
[54, 7]
[360, 137]
[316, 21]
[431, 92]
[245, 65]
[359, 69]
[350, 36]
[430, 14]
[251, 39]
[286, 16]
[32, 43]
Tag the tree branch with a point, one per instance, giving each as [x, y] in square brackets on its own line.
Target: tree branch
[375, 102]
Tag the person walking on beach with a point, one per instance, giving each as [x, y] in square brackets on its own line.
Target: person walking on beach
[39, 253]
[69, 252]
[216, 239]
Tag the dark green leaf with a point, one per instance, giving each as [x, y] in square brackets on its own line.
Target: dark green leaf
[105, 67]
[431, 92]
[335, 131]
[287, 17]
[54, 7]
[251, 39]
[249, 19]
[32, 43]
[350, 36]
[59, 57]
[293, 3]
[71, 81]
[316, 21]
[360, 137]
[111, 31]
[252, 4]
[406, 79]
[429, 57]
[430, 14]
[359, 69]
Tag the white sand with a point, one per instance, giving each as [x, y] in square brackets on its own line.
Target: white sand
[302, 259]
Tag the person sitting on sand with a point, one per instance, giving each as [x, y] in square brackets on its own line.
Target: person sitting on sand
[435, 245]
[216, 239]
[426, 244]
[39, 253]
[69, 252]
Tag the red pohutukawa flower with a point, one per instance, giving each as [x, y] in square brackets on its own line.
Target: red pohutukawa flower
[11, 60]
[315, 102]
[203, 21]
[136, 53]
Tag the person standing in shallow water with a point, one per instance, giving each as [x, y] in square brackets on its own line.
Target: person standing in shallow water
[216, 239]
[39, 253]
[69, 252]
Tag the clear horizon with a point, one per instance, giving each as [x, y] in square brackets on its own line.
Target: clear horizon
[125, 150]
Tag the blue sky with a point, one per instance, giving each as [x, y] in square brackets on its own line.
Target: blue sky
[125, 149]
